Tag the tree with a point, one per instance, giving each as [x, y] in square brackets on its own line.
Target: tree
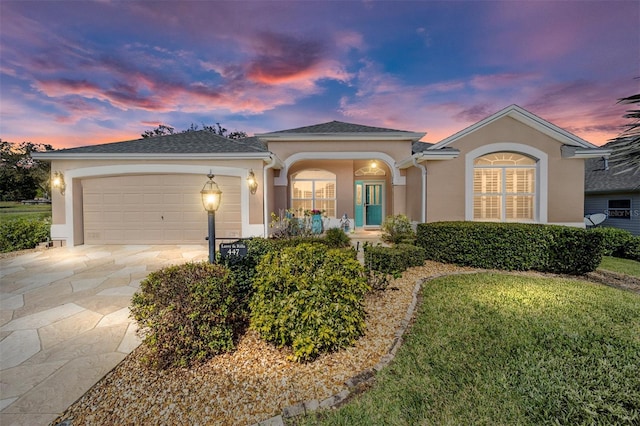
[162, 130]
[625, 156]
[22, 177]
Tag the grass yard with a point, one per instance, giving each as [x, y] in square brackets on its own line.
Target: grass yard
[15, 210]
[512, 350]
[621, 266]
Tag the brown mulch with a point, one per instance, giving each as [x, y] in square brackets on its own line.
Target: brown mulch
[257, 381]
[252, 384]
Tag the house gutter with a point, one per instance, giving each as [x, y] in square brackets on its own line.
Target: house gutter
[273, 161]
[423, 206]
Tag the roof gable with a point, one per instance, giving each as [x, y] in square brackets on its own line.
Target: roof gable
[338, 131]
[525, 117]
[335, 127]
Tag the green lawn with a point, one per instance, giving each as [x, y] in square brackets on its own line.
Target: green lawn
[15, 210]
[500, 349]
[621, 266]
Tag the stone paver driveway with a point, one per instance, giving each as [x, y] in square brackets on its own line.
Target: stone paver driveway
[64, 322]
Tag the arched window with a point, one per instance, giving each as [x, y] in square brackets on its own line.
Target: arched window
[504, 187]
[314, 189]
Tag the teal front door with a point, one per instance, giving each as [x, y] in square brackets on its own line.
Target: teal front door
[372, 204]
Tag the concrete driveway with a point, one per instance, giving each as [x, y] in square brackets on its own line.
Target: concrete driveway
[64, 322]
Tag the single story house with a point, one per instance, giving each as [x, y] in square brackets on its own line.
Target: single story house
[511, 166]
[615, 194]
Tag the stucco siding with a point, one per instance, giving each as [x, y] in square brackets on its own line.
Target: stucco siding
[563, 190]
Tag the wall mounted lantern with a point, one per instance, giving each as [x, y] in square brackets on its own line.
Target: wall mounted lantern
[252, 182]
[58, 182]
[211, 197]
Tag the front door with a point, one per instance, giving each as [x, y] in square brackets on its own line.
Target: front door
[368, 203]
[372, 204]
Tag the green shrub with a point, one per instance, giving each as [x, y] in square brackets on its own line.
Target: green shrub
[614, 240]
[337, 238]
[573, 250]
[310, 298]
[187, 313]
[393, 260]
[243, 269]
[485, 245]
[384, 263]
[21, 234]
[397, 229]
[511, 246]
[619, 243]
[632, 249]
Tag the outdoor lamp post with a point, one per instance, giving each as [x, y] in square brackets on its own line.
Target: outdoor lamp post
[211, 196]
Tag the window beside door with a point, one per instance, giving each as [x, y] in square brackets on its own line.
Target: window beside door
[314, 190]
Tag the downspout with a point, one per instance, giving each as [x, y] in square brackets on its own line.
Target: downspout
[423, 205]
[265, 198]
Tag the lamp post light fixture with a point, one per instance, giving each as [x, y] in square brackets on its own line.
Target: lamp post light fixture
[211, 197]
[252, 182]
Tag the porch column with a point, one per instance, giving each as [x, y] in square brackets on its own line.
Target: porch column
[399, 199]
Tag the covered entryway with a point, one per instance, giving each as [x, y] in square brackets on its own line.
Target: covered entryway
[156, 209]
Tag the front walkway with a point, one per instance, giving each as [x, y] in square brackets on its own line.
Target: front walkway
[64, 322]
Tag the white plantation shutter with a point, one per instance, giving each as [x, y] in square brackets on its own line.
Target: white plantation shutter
[504, 187]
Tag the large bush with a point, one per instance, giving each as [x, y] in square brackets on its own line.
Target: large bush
[511, 246]
[21, 234]
[310, 298]
[187, 313]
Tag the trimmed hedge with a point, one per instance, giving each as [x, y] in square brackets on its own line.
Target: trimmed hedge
[512, 246]
[21, 234]
[310, 298]
[393, 260]
[187, 313]
[619, 243]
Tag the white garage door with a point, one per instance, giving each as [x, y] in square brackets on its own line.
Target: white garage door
[156, 209]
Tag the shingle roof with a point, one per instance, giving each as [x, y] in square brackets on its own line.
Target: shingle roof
[420, 146]
[336, 127]
[597, 179]
[197, 142]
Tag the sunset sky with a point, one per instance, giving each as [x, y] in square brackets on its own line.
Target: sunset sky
[77, 73]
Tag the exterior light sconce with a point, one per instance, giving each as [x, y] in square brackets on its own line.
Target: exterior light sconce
[58, 182]
[252, 183]
[374, 164]
[211, 197]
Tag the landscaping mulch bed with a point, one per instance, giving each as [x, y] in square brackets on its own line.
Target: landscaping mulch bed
[257, 381]
[252, 384]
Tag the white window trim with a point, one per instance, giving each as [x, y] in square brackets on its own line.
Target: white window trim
[313, 186]
[542, 168]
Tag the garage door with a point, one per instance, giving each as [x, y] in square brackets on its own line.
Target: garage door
[156, 209]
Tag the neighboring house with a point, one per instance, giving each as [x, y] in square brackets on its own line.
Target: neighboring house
[511, 166]
[615, 194]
